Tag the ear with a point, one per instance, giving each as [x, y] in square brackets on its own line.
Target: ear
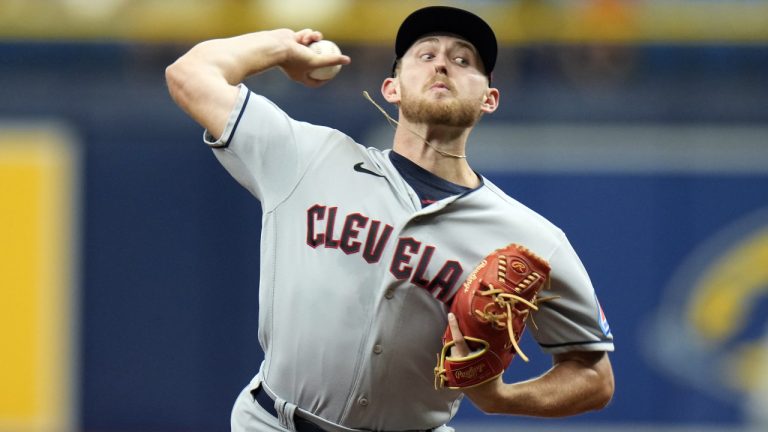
[490, 100]
[390, 89]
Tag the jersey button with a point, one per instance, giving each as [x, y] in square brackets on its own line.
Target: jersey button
[389, 294]
[377, 349]
[363, 401]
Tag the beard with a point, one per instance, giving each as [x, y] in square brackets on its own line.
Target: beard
[454, 112]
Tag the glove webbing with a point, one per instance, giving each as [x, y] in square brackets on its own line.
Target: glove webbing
[506, 301]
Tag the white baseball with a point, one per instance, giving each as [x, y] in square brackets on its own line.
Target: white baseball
[325, 47]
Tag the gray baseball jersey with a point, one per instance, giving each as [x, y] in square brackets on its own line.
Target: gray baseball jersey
[357, 278]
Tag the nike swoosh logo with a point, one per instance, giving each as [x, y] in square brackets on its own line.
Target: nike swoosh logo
[359, 168]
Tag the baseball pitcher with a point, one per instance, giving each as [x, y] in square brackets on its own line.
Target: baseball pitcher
[393, 283]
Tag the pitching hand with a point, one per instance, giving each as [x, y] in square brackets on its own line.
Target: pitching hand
[301, 60]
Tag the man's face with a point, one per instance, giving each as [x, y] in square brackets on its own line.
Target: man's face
[442, 82]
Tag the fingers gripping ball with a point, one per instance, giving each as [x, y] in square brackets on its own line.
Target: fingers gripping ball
[327, 72]
[491, 308]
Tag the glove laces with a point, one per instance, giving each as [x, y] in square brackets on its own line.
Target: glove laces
[506, 302]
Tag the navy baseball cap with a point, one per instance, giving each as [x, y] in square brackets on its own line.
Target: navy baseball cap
[446, 19]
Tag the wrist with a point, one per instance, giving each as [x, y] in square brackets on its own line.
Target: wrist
[264, 50]
[488, 397]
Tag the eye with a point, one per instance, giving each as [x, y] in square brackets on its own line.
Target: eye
[427, 56]
[461, 61]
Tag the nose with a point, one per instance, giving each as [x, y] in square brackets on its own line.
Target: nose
[440, 64]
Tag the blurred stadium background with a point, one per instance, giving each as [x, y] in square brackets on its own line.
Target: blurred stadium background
[129, 258]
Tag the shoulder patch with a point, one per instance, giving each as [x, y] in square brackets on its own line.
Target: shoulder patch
[604, 326]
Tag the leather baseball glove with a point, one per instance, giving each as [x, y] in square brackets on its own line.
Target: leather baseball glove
[491, 308]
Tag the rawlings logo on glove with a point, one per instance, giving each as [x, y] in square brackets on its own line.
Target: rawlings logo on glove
[491, 309]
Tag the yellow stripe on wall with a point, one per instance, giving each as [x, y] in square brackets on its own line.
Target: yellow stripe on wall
[376, 21]
[37, 279]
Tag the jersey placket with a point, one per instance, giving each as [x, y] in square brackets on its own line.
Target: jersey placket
[374, 348]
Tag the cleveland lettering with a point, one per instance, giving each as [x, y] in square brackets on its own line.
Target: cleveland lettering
[356, 233]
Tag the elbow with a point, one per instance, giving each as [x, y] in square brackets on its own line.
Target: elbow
[603, 397]
[601, 384]
[170, 74]
[185, 70]
[174, 79]
[603, 391]
[181, 78]
[609, 388]
[596, 390]
[595, 398]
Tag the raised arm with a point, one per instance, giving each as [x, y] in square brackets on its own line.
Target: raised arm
[203, 82]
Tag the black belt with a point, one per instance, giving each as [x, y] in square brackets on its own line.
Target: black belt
[302, 425]
[266, 402]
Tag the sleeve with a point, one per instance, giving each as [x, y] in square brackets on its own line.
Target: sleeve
[264, 149]
[574, 320]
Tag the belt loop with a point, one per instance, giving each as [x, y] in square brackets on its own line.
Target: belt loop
[285, 414]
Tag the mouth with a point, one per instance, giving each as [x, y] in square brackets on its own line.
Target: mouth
[439, 85]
